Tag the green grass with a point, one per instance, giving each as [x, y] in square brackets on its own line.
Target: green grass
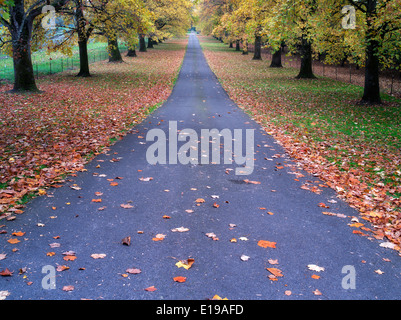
[55, 62]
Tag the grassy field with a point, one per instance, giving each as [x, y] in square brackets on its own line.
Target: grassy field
[44, 63]
[355, 148]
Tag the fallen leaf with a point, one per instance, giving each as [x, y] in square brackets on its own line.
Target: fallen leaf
[126, 241]
[159, 237]
[133, 271]
[69, 258]
[6, 273]
[252, 182]
[216, 297]
[126, 206]
[114, 184]
[186, 264]
[315, 276]
[18, 234]
[200, 200]
[180, 279]
[98, 255]
[266, 244]
[317, 292]
[96, 200]
[211, 235]
[314, 267]
[62, 268]
[151, 289]
[51, 254]
[273, 261]
[13, 241]
[146, 179]
[275, 272]
[68, 288]
[180, 229]
[244, 257]
[287, 292]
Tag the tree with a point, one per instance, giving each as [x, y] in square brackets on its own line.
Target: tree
[372, 42]
[19, 20]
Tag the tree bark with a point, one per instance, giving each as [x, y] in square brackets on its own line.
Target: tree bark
[150, 43]
[24, 78]
[131, 53]
[276, 59]
[257, 55]
[237, 47]
[142, 44]
[371, 91]
[305, 71]
[114, 51]
[82, 42]
[20, 28]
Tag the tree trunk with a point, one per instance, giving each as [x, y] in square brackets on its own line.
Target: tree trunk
[131, 53]
[276, 59]
[257, 55]
[231, 44]
[82, 42]
[244, 47]
[24, 78]
[237, 47]
[83, 58]
[371, 91]
[114, 52]
[150, 43]
[305, 71]
[142, 44]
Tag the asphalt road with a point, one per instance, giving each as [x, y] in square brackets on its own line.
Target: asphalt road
[265, 205]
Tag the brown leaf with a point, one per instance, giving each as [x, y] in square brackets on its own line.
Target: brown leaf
[126, 241]
[6, 273]
[133, 271]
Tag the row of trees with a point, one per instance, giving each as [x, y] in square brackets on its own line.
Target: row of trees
[322, 28]
[27, 25]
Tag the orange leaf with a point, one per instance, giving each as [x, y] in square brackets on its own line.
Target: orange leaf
[276, 272]
[69, 258]
[180, 279]
[96, 200]
[315, 276]
[152, 288]
[113, 184]
[265, 244]
[18, 234]
[13, 241]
